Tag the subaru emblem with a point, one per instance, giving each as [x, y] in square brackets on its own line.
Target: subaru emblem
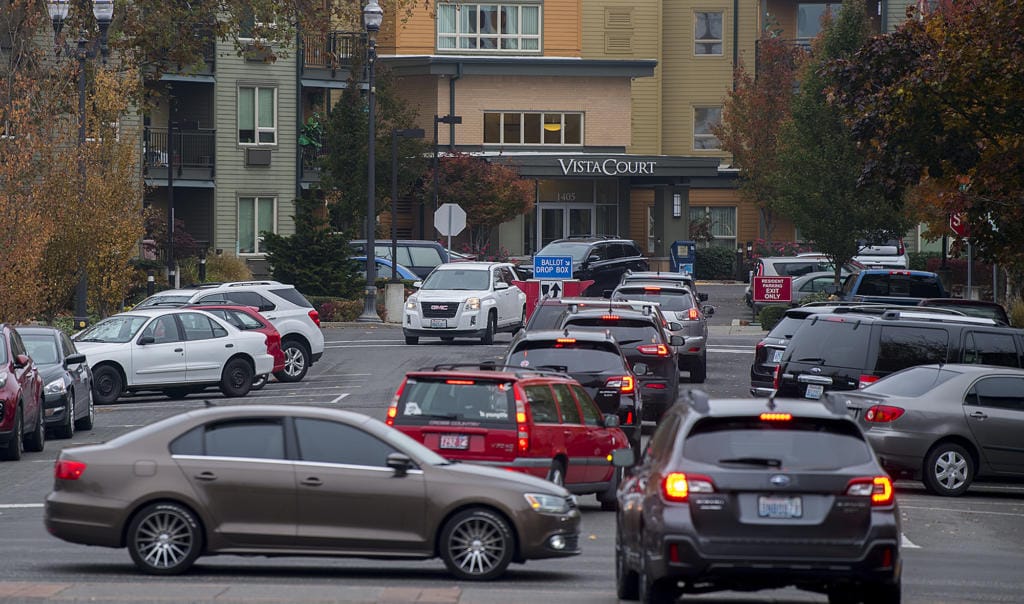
[815, 369]
[779, 480]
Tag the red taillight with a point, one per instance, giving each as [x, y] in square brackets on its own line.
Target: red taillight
[313, 314]
[693, 314]
[609, 317]
[882, 414]
[659, 350]
[624, 383]
[522, 428]
[879, 488]
[777, 377]
[655, 385]
[677, 486]
[65, 469]
[900, 249]
[866, 380]
[776, 417]
[629, 418]
[393, 407]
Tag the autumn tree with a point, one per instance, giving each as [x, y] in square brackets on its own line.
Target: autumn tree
[752, 117]
[490, 194]
[819, 164]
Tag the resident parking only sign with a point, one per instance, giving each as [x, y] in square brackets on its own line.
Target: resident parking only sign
[552, 267]
[773, 289]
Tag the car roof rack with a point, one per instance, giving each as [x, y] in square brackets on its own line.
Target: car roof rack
[930, 316]
[486, 366]
[881, 309]
[245, 283]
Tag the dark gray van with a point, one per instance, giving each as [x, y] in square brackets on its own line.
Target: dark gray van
[418, 255]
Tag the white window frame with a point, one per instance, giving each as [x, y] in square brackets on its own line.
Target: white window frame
[697, 43]
[522, 128]
[709, 136]
[257, 129]
[705, 210]
[254, 199]
[459, 35]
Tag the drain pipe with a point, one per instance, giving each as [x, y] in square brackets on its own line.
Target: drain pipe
[451, 104]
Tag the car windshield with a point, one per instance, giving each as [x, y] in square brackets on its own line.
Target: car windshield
[460, 279]
[116, 329]
[576, 357]
[914, 381]
[670, 300]
[578, 251]
[625, 331]
[460, 400]
[42, 348]
[798, 444]
[3, 351]
[165, 300]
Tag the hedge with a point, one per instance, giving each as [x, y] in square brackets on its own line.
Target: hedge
[715, 262]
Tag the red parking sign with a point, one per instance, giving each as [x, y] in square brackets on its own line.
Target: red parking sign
[773, 289]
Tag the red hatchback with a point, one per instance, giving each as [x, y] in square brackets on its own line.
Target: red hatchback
[249, 318]
[538, 422]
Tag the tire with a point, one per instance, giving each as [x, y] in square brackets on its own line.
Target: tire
[260, 381]
[86, 423]
[35, 441]
[236, 380]
[412, 340]
[699, 369]
[296, 362]
[107, 385]
[656, 591]
[477, 544]
[609, 497]
[67, 429]
[164, 539]
[492, 326]
[627, 582]
[884, 593]
[948, 470]
[15, 446]
[556, 473]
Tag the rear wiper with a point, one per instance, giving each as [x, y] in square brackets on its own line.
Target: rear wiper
[621, 342]
[817, 360]
[441, 415]
[754, 461]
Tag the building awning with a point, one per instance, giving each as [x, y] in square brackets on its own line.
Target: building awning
[180, 182]
[651, 168]
[408, 65]
[311, 83]
[175, 77]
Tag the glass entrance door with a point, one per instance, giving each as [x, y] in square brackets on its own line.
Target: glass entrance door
[558, 221]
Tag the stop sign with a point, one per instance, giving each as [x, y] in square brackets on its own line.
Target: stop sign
[450, 219]
[958, 222]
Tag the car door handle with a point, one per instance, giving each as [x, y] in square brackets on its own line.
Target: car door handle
[206, 476]
[179, 350]
[229, 346]
[979, 415]
[312, 481]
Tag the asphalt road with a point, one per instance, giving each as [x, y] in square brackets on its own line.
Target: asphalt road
[955, 550]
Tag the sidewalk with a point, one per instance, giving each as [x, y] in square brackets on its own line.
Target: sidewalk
[736, 329]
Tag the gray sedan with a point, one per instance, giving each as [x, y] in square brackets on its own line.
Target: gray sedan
[945, 424]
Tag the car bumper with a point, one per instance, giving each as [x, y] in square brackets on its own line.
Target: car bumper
[900, 453]
[55, 409]
[467, 323]
[539, 534]
[84, 519]
[694, 346]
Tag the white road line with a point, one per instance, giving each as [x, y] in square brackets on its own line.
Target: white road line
[907, 543]
[956, 511]
[16, 506]
[339, 399]
[361, 341]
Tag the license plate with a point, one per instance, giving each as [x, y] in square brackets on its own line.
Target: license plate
[454, 441]
[438, 323]
[779, 507]
[814, 391]
[777, 355]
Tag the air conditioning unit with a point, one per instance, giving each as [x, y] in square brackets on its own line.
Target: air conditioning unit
[257, 157]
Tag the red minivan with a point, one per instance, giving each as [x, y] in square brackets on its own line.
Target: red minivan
[538, 422]
[249, 318]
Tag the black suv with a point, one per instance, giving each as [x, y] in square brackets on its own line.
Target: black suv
[646, 345]
[848, 349]
[601, 259]
[592, 359]
[747, 494]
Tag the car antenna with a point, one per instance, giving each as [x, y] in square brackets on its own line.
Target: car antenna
[771, 400]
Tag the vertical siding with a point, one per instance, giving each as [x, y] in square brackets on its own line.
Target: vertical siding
[234, 178]
[640, 202]
[562, 28]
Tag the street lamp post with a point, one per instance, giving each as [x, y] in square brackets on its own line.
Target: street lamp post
[442, 119]
[373, 14]
[395, 135]
[103, 10]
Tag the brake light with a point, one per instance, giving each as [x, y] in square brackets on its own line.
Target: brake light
[565, 341]
[677, 486]
[659, 350]
[882, 414]
[899, 272]
[693, 314]
[866, 380]
[776, 417]
[655, 385]
[65, 469]
[315, 315]
[651, 288]
[879, 488]
[460, 382]
[522, 428]
[609, 317]
[393, 407]
[900, 249]
[629, 418]
[624, 383]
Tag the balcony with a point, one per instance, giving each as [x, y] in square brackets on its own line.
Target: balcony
[194, 156]
[329, 56]
[310, 158]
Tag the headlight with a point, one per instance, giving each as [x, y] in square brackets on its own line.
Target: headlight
[473, 304]
[3, 380]
[55, 387]
[551, 504]
[410, 304]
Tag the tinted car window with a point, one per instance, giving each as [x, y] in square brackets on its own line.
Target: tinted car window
[473, 402]
[67, 345]
[198, 327]
[786, 327]
[578, 356]
[237, 318]
[578, 251]
[902, 347]
[833, 343]
[292, 295]
[670, 300]
[332, 442]
[570, 414]
[251, 299]
[998, 392]
[189, 443]
[914, 381]
[664, 438]
[546, 316]
[542, 403]
[625, 331]
[612, 251]
[424, 256]
[250, 438]
[987, 348]
[798, 444]
[591, 415]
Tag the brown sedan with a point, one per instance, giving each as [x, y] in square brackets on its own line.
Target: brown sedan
[293, 481]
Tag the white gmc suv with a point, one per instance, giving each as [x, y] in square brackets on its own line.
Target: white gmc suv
[465, 299]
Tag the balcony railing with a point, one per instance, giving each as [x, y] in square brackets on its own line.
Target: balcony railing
[194, 154]
[310, 161]
[331, 51]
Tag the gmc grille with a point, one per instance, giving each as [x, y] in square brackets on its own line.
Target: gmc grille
[439, 310]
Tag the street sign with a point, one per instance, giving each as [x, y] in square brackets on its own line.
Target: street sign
[450, 219]
[773, 289]
[551, 289]
[552, 267]
[958, 222]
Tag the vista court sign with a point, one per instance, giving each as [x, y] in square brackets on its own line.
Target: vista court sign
[607, 167]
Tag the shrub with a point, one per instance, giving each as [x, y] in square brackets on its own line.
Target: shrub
[219, 269]
[770, 316]
[1016, 312]
[714, 262]
[920, 261]
[344, 310]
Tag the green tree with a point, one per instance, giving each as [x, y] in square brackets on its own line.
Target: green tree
[819, 164]
[315, 259]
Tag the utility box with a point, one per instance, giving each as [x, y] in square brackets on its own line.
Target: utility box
[682, 255]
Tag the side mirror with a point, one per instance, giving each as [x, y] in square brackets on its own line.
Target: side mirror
[417, 284]
[623, 458]
[22, 360]
[708, 310]
[500, 285]
[146, 340]
[702, 297]
[73, 359]
[611, 420]
[677, 340]
[674, 326]
[400, 463]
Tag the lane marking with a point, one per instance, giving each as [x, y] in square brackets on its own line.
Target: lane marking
[18, 506]
[907, 543]
[956, 511]
[339, 399]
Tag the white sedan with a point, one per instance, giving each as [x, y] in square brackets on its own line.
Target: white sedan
[175, 351]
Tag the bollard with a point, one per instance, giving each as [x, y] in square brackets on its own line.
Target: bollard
[150, 283]
[202, 268]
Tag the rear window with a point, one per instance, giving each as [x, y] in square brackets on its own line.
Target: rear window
[901, 286]
[800, 444]
[625, 331]
[168, 300]
[786, 327]
[456, 402]
[292, 295]
[595, 357]
[830, 342]
[546, 316]
[912, 382]
[670, 300]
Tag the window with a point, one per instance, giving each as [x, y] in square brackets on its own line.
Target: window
[808, 19]
[704, 119]
[707, 33]
[488, 27]
[902, 347]
[325, 441]
[542, 404]
[255, 215]
[257, 115]
[250, 299]
[987, 348]
[237, 318]
[998, 392]
[250, 438]
[198, 327]
[570, 414]
[723, 223]
[591, 414]
[514, 128]
[163, 330]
